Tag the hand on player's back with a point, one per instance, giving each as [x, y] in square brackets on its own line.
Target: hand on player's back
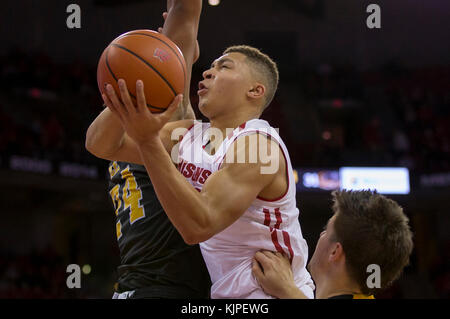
[137, 120]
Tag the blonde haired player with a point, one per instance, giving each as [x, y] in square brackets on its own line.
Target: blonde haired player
[231, 208]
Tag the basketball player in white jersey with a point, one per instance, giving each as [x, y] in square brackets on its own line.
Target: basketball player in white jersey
[233, 209]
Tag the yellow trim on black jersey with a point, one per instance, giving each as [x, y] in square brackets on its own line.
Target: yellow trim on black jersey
[361, 296]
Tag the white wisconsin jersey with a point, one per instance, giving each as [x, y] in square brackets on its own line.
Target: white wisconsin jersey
[267, 224]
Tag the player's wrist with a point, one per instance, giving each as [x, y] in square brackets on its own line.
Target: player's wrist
[291, 292]
[150, 143]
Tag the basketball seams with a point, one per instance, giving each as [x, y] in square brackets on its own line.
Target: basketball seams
[106, 71]
[158, 109]
[148, 64]
[170, 47]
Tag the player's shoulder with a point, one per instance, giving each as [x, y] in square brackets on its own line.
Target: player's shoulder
[253, 148]
[257, 142]
[265, 133]
[255, 126]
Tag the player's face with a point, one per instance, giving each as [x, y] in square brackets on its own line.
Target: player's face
[320, 262]
[225, 85]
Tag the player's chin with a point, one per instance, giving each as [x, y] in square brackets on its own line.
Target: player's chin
[202, 108]
[202, 103]
[206, 109]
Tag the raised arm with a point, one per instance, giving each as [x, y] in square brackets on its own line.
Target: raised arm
[105, 137]
[181, 26]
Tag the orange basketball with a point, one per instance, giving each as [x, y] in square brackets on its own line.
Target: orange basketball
[148, 56]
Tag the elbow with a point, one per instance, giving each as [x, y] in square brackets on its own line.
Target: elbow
[196, 235]
[190, 239]
[92, 147]
[200, 227]
[89, 144]
[195, 239]
[99, 146]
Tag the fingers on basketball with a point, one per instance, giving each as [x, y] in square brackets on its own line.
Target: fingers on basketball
[140, 96]
[115, 100]
[125, 96]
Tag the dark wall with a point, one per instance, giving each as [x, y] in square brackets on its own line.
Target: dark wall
[413, 31]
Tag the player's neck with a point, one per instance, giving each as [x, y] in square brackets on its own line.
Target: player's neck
[336, 287]
[231, 121]
[329, 290]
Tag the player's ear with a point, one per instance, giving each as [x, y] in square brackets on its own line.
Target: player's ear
[336, 252]
[257, 91]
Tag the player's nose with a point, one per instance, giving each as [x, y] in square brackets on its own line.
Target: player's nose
[208, 74]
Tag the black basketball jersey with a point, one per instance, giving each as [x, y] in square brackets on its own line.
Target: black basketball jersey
[153, 254]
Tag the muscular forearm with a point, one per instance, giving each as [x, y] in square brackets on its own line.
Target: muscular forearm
[183, 205]
[104, 136]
